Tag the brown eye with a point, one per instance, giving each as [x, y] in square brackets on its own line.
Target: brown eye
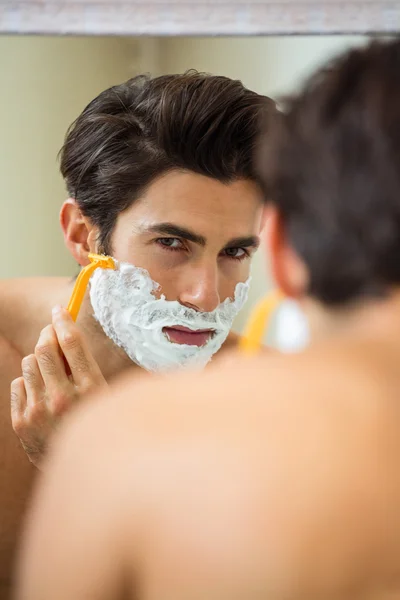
[173, 243]
[235, 252]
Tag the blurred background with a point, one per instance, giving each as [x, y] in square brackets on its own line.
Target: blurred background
[47, 81]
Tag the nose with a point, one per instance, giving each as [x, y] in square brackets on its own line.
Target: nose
[201, 290]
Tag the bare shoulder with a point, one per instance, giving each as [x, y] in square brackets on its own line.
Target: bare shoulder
[25, 308]
[271, 387]
[278, 420]
[268, 380]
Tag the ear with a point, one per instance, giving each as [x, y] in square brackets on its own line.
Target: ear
[288, 269]
[79, 234]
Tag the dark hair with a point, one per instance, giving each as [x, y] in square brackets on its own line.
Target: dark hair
[134, 132]
[331, 165]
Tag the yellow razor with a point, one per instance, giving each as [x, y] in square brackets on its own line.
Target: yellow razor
[78, 293]
[251, 341]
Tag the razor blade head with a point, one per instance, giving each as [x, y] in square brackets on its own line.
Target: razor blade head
[105, 262]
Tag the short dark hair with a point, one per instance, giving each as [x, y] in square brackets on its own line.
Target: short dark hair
[331, 165]
[137, 131]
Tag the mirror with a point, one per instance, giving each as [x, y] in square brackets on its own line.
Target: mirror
[193, 17]
[48, 80]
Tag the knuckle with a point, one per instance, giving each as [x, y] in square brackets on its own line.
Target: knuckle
[46, 338]
[80, 363]
[28, 370]
[47, 332]
[36, 413]
[18, 425]
[60, 403]
[87, 385]
[91, 383]
[16, 385]
[41, 347]
[45, 357]
[16, 394]
[71, 340]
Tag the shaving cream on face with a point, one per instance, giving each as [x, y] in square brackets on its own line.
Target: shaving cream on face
[130, 314]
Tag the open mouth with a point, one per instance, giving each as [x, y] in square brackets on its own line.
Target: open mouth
[183, 335]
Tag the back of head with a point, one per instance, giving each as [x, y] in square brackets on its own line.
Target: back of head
[331, 165]
[137, 131]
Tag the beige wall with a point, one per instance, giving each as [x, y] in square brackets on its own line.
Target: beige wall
[271, 66]
[45, 83]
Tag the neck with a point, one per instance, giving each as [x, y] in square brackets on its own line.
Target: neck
[378, 318]
[111, 359]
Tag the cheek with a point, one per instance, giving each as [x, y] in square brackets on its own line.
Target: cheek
[158, 269]
[159, 264]
[233, 273]
[169, 286]
[236, 270]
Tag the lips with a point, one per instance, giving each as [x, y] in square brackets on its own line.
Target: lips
[183, 335]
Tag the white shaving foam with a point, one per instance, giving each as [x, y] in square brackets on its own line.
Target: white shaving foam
[132, 317]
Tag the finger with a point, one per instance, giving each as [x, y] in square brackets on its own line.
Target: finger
[18, 397]
[33, 381]
[84, 369]
[50, 360]
[18, 405]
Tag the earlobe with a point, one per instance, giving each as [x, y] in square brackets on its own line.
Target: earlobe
[77, 231]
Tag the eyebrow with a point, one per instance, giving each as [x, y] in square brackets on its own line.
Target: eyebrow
[173, 230]
[251, 241]
[176, 231]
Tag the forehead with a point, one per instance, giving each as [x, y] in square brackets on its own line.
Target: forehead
[201, 203]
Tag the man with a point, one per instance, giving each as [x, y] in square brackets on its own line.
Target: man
[274, 476]
[160, 176]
